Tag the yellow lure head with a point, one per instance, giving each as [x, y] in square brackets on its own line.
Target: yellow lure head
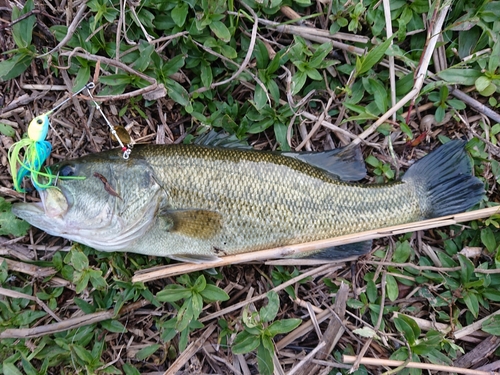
[39, 127]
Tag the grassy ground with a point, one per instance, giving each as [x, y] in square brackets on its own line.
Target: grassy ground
[291, 75]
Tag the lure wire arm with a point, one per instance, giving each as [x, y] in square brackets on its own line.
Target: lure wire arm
[127, 150]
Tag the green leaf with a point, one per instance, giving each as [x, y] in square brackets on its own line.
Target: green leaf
[245, 343]
[298, 81]
[314, 74]
[206, 74]
[81, 279]
[179, 13]
[379, 94]
[391, 287]
[213, 293]
[259, 97]
[79, 260]
[177, 92]
[470, 299]
[402, 252]
[492, 325]
[97, 280]
[228, 51]
[147, 352]
[172, 293]
[283, 326]
[16, 65]
[10, 369]
[86, 307]
[355, 304]
[371, 291]
[482, 83]
[261, 55]
[488, 239]
[407, 327]
[320, 55]
[28, 367]
[373, 161]
[437, 357]
[116, 79]
[494, 58]
[365, 332]
[220, 30]
[200, 283]
[280, 131]
[7, 130]
[372, 57]
[440, 113]
[467, 268]
[268, 313]
[265, 359]
[83, 354]
[27, 317]
[144, 59]
[10, 224]
[184, 315]
[130, 370]
[465, 77]
[196, 305]
[22, 31]
[173, 65]
[489, 90]
[456, 104]
[82, 78]
[260, 126]
[113, 326]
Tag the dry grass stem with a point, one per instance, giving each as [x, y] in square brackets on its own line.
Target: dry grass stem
[423, 366]
[190, 351]
[471, 328]
[67, 324]
[71, 30]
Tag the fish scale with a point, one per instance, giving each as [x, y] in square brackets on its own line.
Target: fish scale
[196, 203]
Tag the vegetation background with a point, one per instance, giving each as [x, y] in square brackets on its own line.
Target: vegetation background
[280, 75]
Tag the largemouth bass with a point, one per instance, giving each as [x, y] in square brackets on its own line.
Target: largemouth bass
[197, 203]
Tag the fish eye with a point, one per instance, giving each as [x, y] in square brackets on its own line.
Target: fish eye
[67, 171]
[39, 121]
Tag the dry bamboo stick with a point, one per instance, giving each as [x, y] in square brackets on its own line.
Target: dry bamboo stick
[425, 366]
[294, 250]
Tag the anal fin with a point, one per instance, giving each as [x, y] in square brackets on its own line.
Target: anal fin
[342, 251]
[195, 258]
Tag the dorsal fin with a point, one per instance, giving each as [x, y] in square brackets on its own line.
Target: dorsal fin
[344, 164]
[221, 139]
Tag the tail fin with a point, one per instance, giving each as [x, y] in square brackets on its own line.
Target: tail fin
[445, 179]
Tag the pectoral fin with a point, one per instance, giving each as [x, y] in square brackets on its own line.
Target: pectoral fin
[201, 224]
[195, 258]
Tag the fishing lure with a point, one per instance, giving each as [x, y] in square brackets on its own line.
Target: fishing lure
[35, 151]
[31, 152]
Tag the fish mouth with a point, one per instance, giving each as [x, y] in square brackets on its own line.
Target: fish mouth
[27, 210]
[33, 213]
[53, 205]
